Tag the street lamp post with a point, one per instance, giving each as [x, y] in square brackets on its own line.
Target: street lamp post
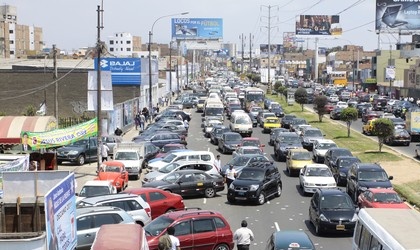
[150, 56]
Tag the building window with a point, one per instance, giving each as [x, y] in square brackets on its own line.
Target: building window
[12, 52]
[116, 42]
[11, 42]
[10, 31]
[111, 49]
[111, 41]
[128, 49]
[128, 42]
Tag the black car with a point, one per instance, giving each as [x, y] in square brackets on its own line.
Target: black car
[229, 141]
[190, 183]
[275, 132]
[362, 176]
[296, 122]
[399, 137]
[260, 114]
[331, 155]
[278, 111]
[79, 152]
[362, 106]
[398, 123]
[232, 108]
[256, 183]
[332, 210]
[285, 121]
[173, 114]
[309, 135]
[217, 132]
[253, 119]
[335, 114]
[379, 104]
[285, 142]
[160, 139]
[341, 168]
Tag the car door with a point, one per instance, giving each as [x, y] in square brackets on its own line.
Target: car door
[204, 233]
[221, 142]
[92, 150]
[269, 182]
[351, 181]
[187, 184]
[302, 175]
[158, 202]
[184, 233]
[85, 232]
[313, 207]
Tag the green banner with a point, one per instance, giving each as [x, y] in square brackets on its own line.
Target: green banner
[59, 137]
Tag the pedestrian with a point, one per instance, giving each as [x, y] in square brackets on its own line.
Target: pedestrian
[165, 242]
[180, 117]
[174, 240]
[218, 163]
[186, 125]
[157, 109]
[137, 120]
[230, 175]
[142, 120]
[104, 152]
[167, 101]
[145, 112]
[243, 236]
[173, 93]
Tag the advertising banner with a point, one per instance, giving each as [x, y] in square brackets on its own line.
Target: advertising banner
[197, 28]
[321, 25]
[396, 15]
[124, 71]
[390, 72]
[275, 49]
[60, 215]
[59, 137]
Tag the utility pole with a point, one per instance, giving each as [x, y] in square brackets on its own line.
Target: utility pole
[55, 76]
[250, 51]
[242, 37]
[269, 45]
[170, 68]
[99, 89]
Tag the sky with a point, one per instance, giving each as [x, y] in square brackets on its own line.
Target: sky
[72, 24]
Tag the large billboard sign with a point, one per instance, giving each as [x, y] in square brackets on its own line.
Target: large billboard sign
[197, 28]
[318, 25]
[275, 49]
[396, 15]
[124, 71]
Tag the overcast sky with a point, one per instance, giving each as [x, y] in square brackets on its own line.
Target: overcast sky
[71, 24]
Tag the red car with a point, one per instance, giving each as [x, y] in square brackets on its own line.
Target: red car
[169, 147]
[252, 141]
[381, 198]
[114, 171]
[195, 229]
[160, 201]
[329, 107]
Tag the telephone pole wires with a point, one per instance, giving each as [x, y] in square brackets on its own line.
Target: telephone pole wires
[269, 27]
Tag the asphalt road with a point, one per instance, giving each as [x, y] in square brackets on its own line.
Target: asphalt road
[288, 212]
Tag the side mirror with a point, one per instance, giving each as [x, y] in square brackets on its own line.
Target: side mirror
[391, 177]
[141, 157]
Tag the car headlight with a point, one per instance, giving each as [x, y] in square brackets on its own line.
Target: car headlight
[232, 186]
[331, 185]
[355, 217]
[322, 217]
[343, 174]
[73, 152]
[254, 187]
[149, 179]
[308, 184]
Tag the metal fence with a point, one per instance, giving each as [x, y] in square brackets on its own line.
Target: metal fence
[71, 121]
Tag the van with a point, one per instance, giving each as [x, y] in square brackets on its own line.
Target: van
[120, 236]
[241, 123]
[181, 156]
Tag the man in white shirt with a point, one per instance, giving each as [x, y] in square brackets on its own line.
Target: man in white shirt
[174, 240]
[243, 236]
[218, 163]
[230, 175]
[104, 152]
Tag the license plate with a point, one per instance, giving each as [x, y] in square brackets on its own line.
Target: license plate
[241, 198]
[340, 227]
[241, 193]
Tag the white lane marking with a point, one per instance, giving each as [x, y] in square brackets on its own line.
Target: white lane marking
[205, 201]
[277, 226]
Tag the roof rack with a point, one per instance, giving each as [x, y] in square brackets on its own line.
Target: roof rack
[198, 212]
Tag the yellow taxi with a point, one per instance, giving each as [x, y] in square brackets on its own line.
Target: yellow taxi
[270, 123]
[367, 128]
[296, 159]
[200, 105]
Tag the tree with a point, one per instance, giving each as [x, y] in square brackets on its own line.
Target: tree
[282, 90]
[301, 96]
[30, 111]
[319, 105]
[277, 85]
[348, 115]
[383, 128]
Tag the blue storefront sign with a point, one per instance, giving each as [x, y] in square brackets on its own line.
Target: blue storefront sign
[124, 71]
[197, 28]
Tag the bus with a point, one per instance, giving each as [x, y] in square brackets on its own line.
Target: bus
[339, 78]
[253, 97]
[387, 229]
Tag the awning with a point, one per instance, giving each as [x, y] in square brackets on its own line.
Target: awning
[12, 126]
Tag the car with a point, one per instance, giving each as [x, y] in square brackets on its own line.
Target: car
[264, 116]
[290, 239]
[285, 142]
[379, 104]
[114, 171]
[253, 120]
[333, 98]
[315, 176]
[320, 148]
[362, 107]
[200, 105]
[308, 136]
[95, 188]
[90, 219]
[342, 105]
[332, 210]
[173, 114]
[362, 176]
[194, 228]
[255, 183]
[252, 141]
[285, 121]
[399, 137]
[160, 201]
[209, 126]
[333, 153]
[160, 139]
[295, 122]
[190, 183]
[229, 141]
[270, 123]
[133, 204]
[161, 127]
[274, 134]
[131, 159]
[335, 114]
[217, 132]
[241, 161]
[367, 128]
[341, 168]
[398, 123]
[368, 114]
[165, 150]
[111, 141]
[232, 108]
[300, 128]
[381, 198]
[254, 111]
[296, 159]
[79, 152]
[247, 150]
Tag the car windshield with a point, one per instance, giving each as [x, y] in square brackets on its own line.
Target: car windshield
[168, 168]
[336, 202]
[256, 109]
[313, 133]
[221, 131]
[116, 169]
[239, 161]
[251, 151]
[289, 139]
[242, 121]
[272, 121]
[119, 156]
[401, 132]
[169, 158]
[214, 111]
[347, 162]
[168, 148]
[327, 145]
[233, 137]
[372, 176]
[275, 106]
[251, 175]
[80, 143]
[322, 172]
[158, 225]
[90, 191]
[387, 198]
[252, 143]
[301, 156]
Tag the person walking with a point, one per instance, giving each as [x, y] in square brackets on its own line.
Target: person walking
[243, 236]
[137, 120]
[218, 163]
[165, 242]
[186, 125]
[142, 120]
[230, 175]
[174, 240]
[104, 152]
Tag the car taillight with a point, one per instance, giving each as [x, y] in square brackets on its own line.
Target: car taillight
[148, 211]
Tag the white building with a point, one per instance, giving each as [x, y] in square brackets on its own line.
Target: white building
[123, 44]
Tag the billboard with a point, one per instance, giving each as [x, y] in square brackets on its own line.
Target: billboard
[396, 15]
[319, 25]
[197, 28]
[275, 49]
[124, 71]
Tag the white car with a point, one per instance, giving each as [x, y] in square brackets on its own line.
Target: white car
[333, 98]
[247, 150]
[95, 188]
[315, 176]
[210, 124]
[387, 115]
[342, 105]
[254, 111]
[320, 148]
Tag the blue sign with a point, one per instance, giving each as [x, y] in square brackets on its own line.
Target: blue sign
[197, 28]
[124, 71]
[60, 215]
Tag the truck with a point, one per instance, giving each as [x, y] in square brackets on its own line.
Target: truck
[413, 124]
[130, 154]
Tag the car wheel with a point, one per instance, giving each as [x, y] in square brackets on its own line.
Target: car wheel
[209, 192]
[261, 198]
[81, 160]
[279, 190]
[222, 247]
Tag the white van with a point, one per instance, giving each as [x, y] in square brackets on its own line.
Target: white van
[181, 156]
[241, 123]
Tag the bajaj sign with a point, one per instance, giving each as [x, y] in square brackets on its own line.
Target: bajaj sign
[124, 71]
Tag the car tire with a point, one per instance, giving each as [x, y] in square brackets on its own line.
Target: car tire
[81, 160]
[279, 190]
[222, 247]
[261, 198]
[209, 192]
